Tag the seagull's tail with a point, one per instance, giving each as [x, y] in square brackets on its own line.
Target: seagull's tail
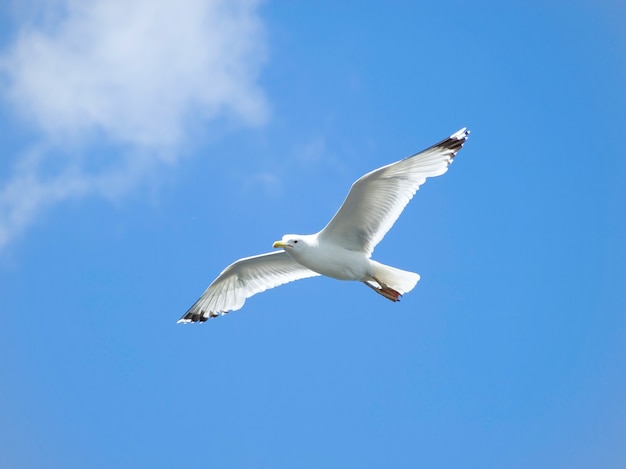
[392, 282]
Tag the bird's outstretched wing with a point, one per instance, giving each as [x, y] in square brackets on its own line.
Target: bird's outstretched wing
[241, 280]
[377, 199]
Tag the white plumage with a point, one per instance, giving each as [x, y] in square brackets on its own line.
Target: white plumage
[343, 248]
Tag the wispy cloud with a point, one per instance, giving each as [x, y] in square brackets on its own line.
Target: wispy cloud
[132, 74]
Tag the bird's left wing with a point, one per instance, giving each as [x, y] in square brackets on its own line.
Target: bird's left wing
[241, 280]
[377, 199]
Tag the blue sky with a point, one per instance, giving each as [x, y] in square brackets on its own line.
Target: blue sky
[146, 148]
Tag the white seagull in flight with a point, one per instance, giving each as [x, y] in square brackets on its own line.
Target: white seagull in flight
[343, 249]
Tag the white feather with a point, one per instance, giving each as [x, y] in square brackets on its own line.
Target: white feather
[244, 278]
[377, 199]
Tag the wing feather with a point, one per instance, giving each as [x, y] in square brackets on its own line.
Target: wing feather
[241, 280]
[376, 200]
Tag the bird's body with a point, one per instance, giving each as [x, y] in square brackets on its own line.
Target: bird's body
[343, 249]
[327, 258]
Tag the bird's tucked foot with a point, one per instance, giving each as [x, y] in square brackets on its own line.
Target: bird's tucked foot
[384, 290]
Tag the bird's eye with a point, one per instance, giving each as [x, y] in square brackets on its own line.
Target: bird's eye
[295, 242]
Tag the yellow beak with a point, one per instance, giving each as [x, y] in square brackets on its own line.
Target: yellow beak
[279, 244]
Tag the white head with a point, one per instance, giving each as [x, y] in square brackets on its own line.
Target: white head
[293, 243]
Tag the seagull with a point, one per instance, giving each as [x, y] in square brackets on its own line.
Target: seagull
[343, 249]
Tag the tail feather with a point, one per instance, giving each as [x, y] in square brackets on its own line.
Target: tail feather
[402, 281]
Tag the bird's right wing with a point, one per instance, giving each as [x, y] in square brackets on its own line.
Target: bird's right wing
[241, 280]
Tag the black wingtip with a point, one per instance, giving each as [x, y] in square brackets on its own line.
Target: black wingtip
[193, 315]
[455, 141]
[198, 315]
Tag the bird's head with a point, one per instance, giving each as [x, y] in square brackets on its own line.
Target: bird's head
[293, 243]
[288, 242]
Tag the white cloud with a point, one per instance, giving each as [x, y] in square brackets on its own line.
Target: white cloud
[134, 74]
